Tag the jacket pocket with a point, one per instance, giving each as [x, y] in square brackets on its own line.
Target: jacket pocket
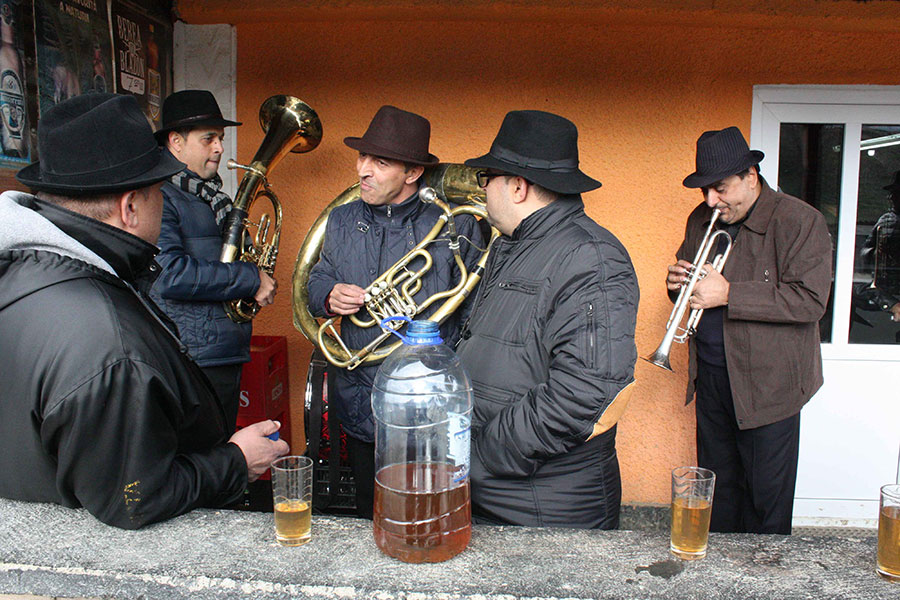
[509, 312]
[589, 347]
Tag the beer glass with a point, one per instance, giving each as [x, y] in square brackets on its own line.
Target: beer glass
[692, 496]
[292, 496]
[888, 565]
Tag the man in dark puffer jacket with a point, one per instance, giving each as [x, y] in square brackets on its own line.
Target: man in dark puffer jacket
[550, 342]
[194, 284]
[101, 407]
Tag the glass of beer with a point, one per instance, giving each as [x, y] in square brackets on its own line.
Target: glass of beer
[692, 496]
[292, 495]
[888, 565]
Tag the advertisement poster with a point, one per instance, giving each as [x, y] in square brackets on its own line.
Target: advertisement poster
[74, 53]
[14, 131]
[139, 44]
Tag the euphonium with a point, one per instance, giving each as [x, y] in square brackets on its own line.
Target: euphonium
[674, 331]
[391, 294]
[290, 126]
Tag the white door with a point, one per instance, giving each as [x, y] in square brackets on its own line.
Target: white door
[836, 147]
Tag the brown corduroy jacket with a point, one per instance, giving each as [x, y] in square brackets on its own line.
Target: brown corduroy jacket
[780, 275]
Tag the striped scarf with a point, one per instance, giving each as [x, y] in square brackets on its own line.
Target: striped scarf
[209, 190]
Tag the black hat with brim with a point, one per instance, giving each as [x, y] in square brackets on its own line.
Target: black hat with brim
[720, 154]
[95, 144]
[190, 108]
[541, 147]
[893, 186]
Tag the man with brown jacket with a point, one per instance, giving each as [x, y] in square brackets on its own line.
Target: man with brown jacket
[755, 358]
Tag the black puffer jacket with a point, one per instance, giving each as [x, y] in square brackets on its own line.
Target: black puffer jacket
[100, 405]
[549, 344]
[361, 243]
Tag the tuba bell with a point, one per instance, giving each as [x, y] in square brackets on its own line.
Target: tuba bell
[290, 126]
[391, 293]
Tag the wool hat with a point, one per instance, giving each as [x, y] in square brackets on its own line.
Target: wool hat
[720, 154]
[97, 143]
[541, 147]
[190, 108]
[893, 186]
[396, 134]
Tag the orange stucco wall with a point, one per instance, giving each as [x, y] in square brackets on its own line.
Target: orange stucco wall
[641, 81]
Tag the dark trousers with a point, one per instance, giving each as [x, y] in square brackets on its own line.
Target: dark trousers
[756, 469]
[361, 456]
[226, 380]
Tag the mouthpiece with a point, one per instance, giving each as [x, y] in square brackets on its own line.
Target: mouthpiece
[427, 194]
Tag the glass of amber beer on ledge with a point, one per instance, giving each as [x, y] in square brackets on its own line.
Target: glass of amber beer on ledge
[292, 495]
[888, 565]
[692, 497]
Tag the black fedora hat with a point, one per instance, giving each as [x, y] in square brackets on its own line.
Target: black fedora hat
[190, 108]
[97, 143]
[720, 154]
[893, 186]
[397, 134]
[542, 148]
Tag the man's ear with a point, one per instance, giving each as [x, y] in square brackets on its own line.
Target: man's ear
[174, 142]
[127, 210]
[414, 173]
[519, 189]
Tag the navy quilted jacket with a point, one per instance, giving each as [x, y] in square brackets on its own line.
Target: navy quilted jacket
[361, 242]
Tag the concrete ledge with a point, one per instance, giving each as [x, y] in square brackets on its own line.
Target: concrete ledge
[47, 550]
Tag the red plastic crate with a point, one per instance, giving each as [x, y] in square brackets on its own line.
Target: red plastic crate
[264, 380]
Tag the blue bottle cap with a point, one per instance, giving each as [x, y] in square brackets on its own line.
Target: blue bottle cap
[423, 332]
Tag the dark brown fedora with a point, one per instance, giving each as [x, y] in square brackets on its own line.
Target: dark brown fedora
[397, 134]
[190, 108]
[94, 144]
[720, 154]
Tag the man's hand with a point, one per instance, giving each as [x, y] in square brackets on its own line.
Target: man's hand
[895, 313]
[265, 295]
[710, 291]
[346, 298]
[259, 451]
[678, 275]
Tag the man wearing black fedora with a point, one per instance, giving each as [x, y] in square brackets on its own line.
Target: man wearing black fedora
[880, 255]
[194, 284]
[362, 240]
[550, 340]
[755, 359]
[102, 407]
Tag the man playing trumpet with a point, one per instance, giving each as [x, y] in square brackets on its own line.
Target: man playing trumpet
[755, 358]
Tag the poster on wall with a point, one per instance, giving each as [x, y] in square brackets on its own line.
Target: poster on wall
[139, 44]
[14, 131]
[74, 53]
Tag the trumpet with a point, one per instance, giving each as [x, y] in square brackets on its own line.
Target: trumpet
[674, 331]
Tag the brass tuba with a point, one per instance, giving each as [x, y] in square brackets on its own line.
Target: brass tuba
[290, 126]
[391, 294]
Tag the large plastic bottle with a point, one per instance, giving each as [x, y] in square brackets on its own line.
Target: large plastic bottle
[422, 403]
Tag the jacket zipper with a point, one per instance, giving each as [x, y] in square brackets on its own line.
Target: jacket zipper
[590, 327]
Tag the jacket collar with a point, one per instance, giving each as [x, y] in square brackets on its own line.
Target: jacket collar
[396, 213]
[759, 218]
[128, 255]
[543, 220]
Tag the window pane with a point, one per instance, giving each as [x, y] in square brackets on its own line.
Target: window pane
[809, 167]
[876, 269]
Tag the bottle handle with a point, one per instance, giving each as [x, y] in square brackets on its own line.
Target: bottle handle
[387, 329]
